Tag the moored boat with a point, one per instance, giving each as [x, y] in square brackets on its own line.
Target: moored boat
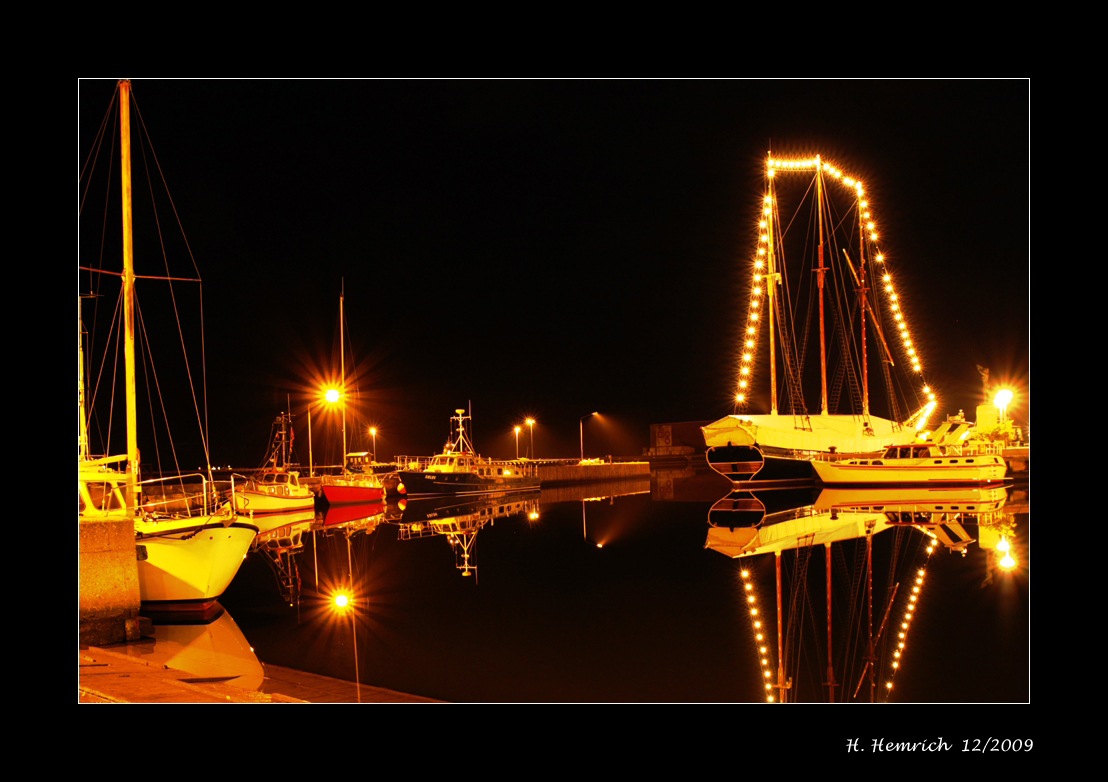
[460, 470]
[186, 556]
[911, 465]
[848, 283]
[275, 489]
[353, 486]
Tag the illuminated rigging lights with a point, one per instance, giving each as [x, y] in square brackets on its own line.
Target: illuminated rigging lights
[760, 284]
[906, 619]
[760, 641]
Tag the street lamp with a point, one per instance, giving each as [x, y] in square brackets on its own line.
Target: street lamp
[582, 427]
[531, 424]
[1001, 400]
[517, 442]
[331, 396]
[373, 434]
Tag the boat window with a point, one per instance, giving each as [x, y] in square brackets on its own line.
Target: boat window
[103, 496]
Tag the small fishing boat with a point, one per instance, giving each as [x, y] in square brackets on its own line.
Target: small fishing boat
[460, 470]
[911, 465]
[353, 486]
[274, 489]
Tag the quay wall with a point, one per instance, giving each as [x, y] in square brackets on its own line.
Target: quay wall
[107, 582]
[556, 474]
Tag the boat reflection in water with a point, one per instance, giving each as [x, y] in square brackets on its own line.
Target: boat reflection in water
[281, 546]
[216, 651]
[874, 613]
[459, 520]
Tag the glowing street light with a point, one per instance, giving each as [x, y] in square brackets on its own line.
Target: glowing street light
[373, 434]
[333, 396]
[517, 442]
[531, 423]
[582, 427]
[1001, 400]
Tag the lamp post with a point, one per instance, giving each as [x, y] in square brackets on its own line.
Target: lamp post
[373, 434]
[582, 428]
[517, 442]
[531, 424]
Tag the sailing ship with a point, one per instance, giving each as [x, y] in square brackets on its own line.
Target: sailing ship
[275, 489]
[853, 289]
[188, 556]
[460, 470]
[355, 485]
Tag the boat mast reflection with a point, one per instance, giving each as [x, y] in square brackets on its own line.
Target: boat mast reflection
[745, 524]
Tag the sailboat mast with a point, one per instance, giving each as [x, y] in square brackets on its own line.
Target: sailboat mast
[771, 285]
[820, 271]
[128, 292]
[342, 372]
[863, 301]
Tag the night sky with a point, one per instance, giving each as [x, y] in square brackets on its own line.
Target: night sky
[543, 248]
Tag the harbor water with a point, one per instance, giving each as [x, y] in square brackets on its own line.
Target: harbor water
[615, 598]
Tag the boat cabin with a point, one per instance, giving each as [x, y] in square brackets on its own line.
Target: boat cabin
[911, 452]
[451, 462]
[278, 478]
[100, 497]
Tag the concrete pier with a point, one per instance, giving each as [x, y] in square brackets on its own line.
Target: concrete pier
[107, 581]
[573, 472]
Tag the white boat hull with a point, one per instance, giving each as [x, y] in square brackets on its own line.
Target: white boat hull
[942, 471]
[816, 529]
[844, 433]
[189, 560]
[248, 501]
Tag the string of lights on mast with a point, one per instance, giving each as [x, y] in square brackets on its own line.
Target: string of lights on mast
[761, 275]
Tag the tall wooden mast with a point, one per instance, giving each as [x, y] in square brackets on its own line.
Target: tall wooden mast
[821, 270]
[769, 210]
[128, 293]
[863, 301]
[342, 371]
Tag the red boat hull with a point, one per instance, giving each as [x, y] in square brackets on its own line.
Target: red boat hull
[351, 495]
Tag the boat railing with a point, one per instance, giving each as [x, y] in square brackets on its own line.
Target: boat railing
[170, 495]
[413, 463]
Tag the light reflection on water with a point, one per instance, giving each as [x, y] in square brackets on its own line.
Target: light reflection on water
[616, 599]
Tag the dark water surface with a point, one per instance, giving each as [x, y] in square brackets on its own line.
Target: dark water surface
[649, 615]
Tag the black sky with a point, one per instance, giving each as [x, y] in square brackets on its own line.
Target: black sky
[551, 248]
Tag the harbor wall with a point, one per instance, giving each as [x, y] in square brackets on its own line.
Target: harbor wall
[107, 582]
[554, 474]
